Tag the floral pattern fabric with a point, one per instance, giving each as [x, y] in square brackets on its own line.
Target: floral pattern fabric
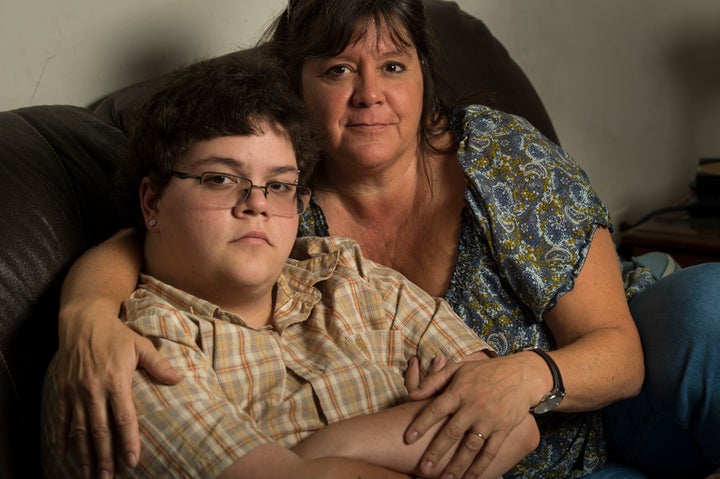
[525, 232]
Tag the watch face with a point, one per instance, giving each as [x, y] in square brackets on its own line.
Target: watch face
[548, 403]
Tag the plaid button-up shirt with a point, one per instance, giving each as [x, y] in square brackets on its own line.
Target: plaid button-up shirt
[342, 332]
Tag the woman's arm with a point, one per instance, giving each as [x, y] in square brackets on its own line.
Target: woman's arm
[599, 355]
[379, 438]
[98, 354]
[371, 446]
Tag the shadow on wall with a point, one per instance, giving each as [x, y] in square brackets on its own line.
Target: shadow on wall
[692, 59]
[151, 43]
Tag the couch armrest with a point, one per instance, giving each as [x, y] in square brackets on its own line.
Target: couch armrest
[57, 164]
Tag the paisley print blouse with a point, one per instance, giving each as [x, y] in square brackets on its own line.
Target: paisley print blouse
[525, 232]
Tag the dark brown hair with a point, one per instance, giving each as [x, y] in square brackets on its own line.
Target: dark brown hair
[224, 96]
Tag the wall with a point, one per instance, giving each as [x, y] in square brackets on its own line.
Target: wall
[633, 88]
[76, 51]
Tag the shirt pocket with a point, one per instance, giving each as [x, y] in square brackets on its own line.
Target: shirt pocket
[364, 374]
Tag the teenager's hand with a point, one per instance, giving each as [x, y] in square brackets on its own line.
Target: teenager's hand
[414, 374]
[95, 369]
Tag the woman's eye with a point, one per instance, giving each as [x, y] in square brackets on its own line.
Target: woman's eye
[337, 70]
[395, 67]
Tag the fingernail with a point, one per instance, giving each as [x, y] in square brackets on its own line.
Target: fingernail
[105, 474]
[449, 476]
[131, 459]
[86, 472]
[427, 466]
[412, 436]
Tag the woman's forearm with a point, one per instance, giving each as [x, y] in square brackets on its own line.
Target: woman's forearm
[378, 439]
[97, 355]
[101, 279]
[599, 351]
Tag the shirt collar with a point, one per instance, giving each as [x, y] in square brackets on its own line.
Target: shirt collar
[312, 260]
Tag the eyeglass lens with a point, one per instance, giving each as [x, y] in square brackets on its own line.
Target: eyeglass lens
[227, 191]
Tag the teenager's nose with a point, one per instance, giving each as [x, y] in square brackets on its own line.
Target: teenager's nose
[255, 203]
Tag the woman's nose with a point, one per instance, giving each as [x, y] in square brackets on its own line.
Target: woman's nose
[368, 90]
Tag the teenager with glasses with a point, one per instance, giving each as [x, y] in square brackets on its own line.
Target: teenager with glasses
[225, 190]
[475, 206]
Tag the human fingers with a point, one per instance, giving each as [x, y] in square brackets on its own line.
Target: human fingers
[438, 363]
[126, 424]
[462, 431]
[118, 385]
[101, 435]
[157, 365]
[82, 441]
[452, 434]
[469, 449]
[62, 418]
[438, 378]
[412, 374]
[436, 411]
[487, 454]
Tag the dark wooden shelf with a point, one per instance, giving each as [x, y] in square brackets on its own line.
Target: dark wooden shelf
[688, 240]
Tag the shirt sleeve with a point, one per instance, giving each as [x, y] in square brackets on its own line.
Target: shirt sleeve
[428, 325]
[190, 429]
[534, 204]
[447, 335]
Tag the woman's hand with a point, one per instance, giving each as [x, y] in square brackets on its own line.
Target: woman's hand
[95, 368]
[491, 397]
[98, 355]
[598, 352]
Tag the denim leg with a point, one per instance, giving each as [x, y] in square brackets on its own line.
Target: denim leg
[672, 428]
[616, 471]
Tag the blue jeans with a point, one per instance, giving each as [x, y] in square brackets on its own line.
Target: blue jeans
[672, 428]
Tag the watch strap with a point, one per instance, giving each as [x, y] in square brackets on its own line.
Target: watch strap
[558, 390]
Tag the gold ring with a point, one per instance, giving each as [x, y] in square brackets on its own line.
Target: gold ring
[478, 434]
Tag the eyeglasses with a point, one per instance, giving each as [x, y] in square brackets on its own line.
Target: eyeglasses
[226, 191]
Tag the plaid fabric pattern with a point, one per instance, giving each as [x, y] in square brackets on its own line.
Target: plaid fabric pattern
[342, 333]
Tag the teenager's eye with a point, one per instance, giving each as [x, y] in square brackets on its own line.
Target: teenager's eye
[219, 179]
[280, 188]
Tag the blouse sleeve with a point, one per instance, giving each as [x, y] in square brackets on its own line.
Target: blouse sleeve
[534, 205]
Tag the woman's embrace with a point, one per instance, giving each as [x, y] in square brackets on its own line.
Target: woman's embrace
[475, 206]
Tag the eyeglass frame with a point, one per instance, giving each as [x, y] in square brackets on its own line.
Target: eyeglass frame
[300, 190]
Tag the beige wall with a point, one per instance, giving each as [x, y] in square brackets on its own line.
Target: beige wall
[75, 51]
[633, 87]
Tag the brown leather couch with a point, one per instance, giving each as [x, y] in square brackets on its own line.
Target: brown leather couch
[55, 191]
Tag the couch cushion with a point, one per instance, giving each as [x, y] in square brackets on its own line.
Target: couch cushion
[57, 164]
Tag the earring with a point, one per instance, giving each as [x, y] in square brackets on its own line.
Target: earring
[153, 223]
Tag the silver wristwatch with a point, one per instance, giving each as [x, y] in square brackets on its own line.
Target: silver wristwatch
[552, 399]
